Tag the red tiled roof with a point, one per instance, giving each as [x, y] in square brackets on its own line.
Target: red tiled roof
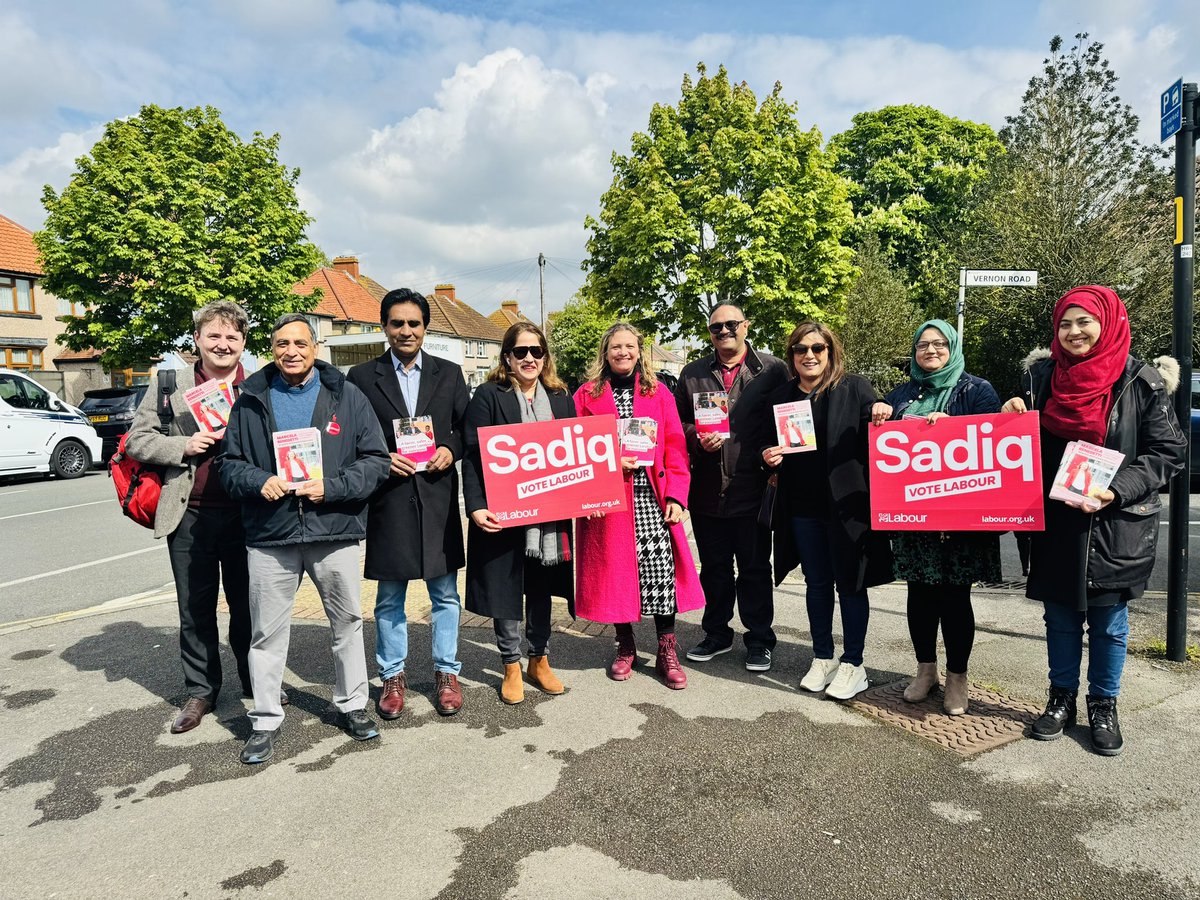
[343, 299]
[508, 314]
[87, 355]
[17, 253]
[449, 315]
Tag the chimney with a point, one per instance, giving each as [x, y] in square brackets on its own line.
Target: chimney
[509, 306]
[447, 291]
[347, 264]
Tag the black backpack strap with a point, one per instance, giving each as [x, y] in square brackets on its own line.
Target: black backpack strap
[166, 387]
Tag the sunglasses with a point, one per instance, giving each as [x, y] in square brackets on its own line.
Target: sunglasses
[731, 326]
[411, 323]
[522, 352]
[802, 349]
[936, 345]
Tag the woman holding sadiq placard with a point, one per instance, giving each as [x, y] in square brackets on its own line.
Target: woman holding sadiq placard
[637, 563]
[504, 564]
[940, 567]
[822, 513]
[1090, 562]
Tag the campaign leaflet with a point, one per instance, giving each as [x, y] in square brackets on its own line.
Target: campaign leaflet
[414, 439]
[298, 455]
[639, 438]
[794, 426]
[712, 412]
[210, 404]
[1085, 471]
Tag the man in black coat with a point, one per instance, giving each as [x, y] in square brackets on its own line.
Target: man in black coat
[414, 529]
[728, 482]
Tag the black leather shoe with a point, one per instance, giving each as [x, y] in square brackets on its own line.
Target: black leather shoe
[359, 725]
[259, 747]
[1060, 713]
[1106, 730]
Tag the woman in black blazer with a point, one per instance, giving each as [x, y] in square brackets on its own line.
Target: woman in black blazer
[506, 566]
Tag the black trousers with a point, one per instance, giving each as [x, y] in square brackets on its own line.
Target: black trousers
[950, 606]
[720, 543]
[537, 618]
[208, 548]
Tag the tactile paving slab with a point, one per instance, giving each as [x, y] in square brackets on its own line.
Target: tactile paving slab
[991, 720]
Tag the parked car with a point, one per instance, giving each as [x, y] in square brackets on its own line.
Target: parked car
[111, 411]
[41, 433]
[1195, 469]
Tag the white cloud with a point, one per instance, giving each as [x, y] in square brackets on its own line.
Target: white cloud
[22, 178]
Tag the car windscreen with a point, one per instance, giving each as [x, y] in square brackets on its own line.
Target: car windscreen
[106, 402]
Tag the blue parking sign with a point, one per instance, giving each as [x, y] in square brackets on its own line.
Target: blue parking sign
[1170, 108]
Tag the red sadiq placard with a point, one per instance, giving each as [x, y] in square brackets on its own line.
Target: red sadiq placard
[542, 471]
[963, 473]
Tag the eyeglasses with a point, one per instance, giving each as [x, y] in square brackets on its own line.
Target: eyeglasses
[731, 326]
[522, 352]
[411, 323]
[935, 345]
[802, 349]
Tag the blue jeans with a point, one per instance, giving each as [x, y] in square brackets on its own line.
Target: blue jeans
[391, 625]
[1108, 636]
[816, 561]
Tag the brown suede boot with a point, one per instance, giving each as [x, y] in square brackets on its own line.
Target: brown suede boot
[955, 701]
[923, 683]
[541, 677]
[512, 690]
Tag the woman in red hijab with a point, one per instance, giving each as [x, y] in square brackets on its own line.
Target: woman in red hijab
[1087, 565]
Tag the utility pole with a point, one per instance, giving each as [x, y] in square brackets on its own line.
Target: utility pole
[1180, 107]
[542, 286]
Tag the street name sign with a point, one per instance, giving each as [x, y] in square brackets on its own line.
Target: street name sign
[1170, 108]
[1001, 278]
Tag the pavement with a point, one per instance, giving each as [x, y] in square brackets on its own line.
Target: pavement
[740, 786]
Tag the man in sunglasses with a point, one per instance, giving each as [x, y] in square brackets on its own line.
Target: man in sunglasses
[414, 529]
[727, 488]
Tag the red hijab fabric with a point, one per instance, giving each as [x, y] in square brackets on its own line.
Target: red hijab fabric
[1081, 388]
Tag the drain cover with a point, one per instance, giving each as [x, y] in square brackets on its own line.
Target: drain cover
[991, 721]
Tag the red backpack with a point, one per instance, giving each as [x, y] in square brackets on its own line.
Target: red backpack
[139, 484]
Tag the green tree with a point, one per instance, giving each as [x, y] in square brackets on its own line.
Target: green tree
[169, 211]
[880, 320]
[721, 199]
[1078, 198]
[915, 178]
[574, 334]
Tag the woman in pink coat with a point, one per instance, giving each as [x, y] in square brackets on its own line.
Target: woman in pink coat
[637, 563]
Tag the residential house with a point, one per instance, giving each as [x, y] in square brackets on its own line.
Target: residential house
[30, 329]
[509, 314]
[346, 320]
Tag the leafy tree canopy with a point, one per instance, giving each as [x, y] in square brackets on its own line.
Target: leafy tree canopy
[170, 211]
[721, 199]
[1078, 198]
[574, 335]
[915, 175]
[880, 320]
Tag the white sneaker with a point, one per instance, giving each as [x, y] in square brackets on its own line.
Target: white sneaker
[820, 673]
[848, 682]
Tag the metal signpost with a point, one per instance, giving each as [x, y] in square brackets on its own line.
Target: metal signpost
[1179, 108]
[990, 278]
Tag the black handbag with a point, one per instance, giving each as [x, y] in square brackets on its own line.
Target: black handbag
[766, 510]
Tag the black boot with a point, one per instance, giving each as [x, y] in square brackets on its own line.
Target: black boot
[1106, 730]
[1060, 713]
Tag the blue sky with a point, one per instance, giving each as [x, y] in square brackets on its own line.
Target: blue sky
[457, 140]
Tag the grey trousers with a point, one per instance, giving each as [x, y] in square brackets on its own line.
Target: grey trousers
[275, 574]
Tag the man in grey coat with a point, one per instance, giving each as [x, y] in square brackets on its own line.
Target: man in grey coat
[202, 524]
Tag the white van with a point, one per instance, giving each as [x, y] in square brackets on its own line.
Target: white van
[41, 433]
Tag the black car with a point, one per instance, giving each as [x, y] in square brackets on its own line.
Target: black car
[111, 413]
[1195, 431]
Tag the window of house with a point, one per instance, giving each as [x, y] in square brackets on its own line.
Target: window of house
[20, 358]
[130, 377]
[71, 308]
[16, 294]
